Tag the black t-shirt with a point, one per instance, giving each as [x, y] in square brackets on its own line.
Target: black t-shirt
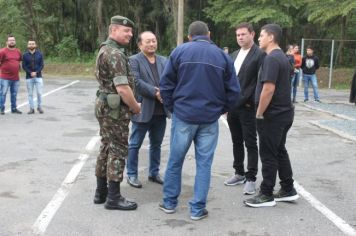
[158, 106]
[276, 69]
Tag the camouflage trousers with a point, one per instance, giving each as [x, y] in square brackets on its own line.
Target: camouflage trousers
[114, 147]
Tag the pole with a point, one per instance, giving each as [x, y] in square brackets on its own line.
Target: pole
[180, 22]
[302, 55]
[331, 62]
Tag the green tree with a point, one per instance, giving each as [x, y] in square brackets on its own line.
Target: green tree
[329, 13]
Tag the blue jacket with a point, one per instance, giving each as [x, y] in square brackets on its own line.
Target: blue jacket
[145, 85]
[32, 63]
[199, 82]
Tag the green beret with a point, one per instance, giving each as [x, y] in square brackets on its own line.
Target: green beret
[121, 20]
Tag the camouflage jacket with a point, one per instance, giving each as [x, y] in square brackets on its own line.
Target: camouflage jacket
[112, 69]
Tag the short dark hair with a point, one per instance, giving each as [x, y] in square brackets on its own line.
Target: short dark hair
[310, 47]
[139, 37]
[275, 30]
[198, 28]
[246, 25]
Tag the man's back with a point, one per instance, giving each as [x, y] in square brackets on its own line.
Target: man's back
[199, 82]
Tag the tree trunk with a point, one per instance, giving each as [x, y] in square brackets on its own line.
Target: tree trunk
[99, 15]
[340, 55]
[32, 26]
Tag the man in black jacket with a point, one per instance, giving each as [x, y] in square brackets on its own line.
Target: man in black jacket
[241, 120]
[310, 64]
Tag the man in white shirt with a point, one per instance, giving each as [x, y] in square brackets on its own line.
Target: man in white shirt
[241, 120]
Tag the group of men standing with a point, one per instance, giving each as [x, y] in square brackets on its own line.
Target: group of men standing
[195, 86]
[307, 66]
[10, 63]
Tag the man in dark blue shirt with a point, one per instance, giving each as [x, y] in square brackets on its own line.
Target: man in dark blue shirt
[32, 63]
[198, 84]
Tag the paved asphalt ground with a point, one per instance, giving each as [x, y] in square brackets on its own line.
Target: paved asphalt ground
[47, 177]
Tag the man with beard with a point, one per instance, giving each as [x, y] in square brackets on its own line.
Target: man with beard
[32, 63]
[10, 58]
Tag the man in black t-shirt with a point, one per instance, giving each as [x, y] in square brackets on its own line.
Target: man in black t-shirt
[274, 116]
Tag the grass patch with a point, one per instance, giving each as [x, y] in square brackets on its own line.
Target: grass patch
[341, 78]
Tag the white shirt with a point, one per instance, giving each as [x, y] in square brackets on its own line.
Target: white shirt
[240, 59]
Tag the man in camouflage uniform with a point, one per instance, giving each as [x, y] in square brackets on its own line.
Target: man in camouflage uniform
[113, 107]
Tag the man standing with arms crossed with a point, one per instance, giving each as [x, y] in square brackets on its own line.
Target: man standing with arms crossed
[241, 119]
[32, 63]
[147, 67]
[10, 58]
[274, 115]
[113, 107]
[198, 85]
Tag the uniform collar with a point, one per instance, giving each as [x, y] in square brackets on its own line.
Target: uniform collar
[114, 44]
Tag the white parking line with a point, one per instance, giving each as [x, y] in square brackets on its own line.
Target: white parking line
[42, 222]
[46, 94]
[336, 220]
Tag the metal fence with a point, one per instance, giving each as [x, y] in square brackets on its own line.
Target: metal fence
[336, 56]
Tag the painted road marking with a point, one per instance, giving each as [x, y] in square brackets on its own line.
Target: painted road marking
[345, 117]
[336, 220]
[42, 222]
[46, 94]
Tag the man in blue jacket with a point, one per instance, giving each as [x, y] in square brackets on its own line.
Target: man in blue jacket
[32, 63]
[147, 66]
[198, 84]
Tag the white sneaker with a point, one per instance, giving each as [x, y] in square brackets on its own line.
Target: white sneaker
[235, 180]
[250, 187]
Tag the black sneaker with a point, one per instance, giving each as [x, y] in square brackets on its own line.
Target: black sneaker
[260, 200]
[283, 196]
[166, 210]
[203, 215]
[16, 111]
[32, 111]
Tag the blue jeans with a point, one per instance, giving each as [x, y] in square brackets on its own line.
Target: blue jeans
[156, 128]
[294, 85]
[38, 84]
[310, 78]
[205, 137]
[14, 87]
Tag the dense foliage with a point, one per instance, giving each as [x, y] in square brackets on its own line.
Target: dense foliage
[72, 29]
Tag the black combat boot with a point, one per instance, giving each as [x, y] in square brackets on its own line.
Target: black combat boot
[101, 190]
[117, 202]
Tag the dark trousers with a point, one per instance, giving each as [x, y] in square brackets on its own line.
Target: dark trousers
[242, 124]
[274, 156]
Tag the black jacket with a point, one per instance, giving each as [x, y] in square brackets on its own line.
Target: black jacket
[248, 74]
[310, 64]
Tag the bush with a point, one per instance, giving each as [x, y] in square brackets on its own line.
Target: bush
[68, 48]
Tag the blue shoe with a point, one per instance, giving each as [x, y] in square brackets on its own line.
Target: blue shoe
[201, 216]
[165, 209]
